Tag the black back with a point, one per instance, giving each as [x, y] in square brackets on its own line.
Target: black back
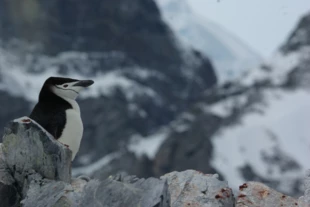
[50, 111]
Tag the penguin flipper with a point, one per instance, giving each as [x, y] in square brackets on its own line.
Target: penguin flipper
[39, 115]
[56, 124]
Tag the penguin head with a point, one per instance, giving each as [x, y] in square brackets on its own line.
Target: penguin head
[65, 87]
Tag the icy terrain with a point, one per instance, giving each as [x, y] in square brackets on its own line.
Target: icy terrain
[231, 57]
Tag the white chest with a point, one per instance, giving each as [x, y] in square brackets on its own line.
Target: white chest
[73, 131]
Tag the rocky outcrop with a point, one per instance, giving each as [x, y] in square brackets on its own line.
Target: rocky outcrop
[193, 188]
[35, 170]
[258, 194]
[299, 37]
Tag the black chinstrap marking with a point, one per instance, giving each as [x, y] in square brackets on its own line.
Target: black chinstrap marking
[66, 89]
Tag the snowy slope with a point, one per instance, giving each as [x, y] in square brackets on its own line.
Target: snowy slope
[263, 133]
[230, 56]
[274, 140]
[19, 82]
[274, 143]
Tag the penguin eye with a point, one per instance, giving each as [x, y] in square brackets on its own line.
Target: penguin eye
[65, 86]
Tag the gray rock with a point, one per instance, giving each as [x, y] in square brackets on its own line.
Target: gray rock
[34, 166]
[123, 191]
[27, 148]
[51, 193]
[257, 194]
[8, 192]
[5, 176]
[304, 201]
[45, 192]
[36, 171]
[192, 188]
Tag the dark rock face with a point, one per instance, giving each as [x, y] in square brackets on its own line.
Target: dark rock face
[188, 149]
[132, 27]
[300, 37]
[15, 107]
[8, 196]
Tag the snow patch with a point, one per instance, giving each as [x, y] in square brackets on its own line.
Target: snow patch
[16, 79]
[89, 169]
[183, 122]
[231, 57]
[225, 107]
[277, 68]
[147, 145]
[284, 125]
[107, 82]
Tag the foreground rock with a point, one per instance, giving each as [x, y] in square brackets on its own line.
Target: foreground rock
[192, 188]
[8, 192]
[35, 170]
[304, 201]
[257, 194]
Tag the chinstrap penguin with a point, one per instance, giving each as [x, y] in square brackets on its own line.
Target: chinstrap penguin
[58, 112]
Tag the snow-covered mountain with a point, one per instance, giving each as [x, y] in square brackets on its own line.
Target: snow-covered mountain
[231, 57]
[257, 128]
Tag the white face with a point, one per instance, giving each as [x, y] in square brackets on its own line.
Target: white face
[67, 90]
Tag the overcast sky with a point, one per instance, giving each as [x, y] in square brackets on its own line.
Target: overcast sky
[262, 24]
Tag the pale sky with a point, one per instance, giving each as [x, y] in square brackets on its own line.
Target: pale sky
[262, 24]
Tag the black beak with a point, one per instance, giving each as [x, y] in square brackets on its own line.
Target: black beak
[84, 83]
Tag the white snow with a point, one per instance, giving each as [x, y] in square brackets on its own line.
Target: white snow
[17, 81]
[280, 65]
[20, 83]
[183, 122]
[147, 145]
[231, 57]
[284, 125]
[144, 73]
[107, 82]
[224, 108]
[89, 169]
